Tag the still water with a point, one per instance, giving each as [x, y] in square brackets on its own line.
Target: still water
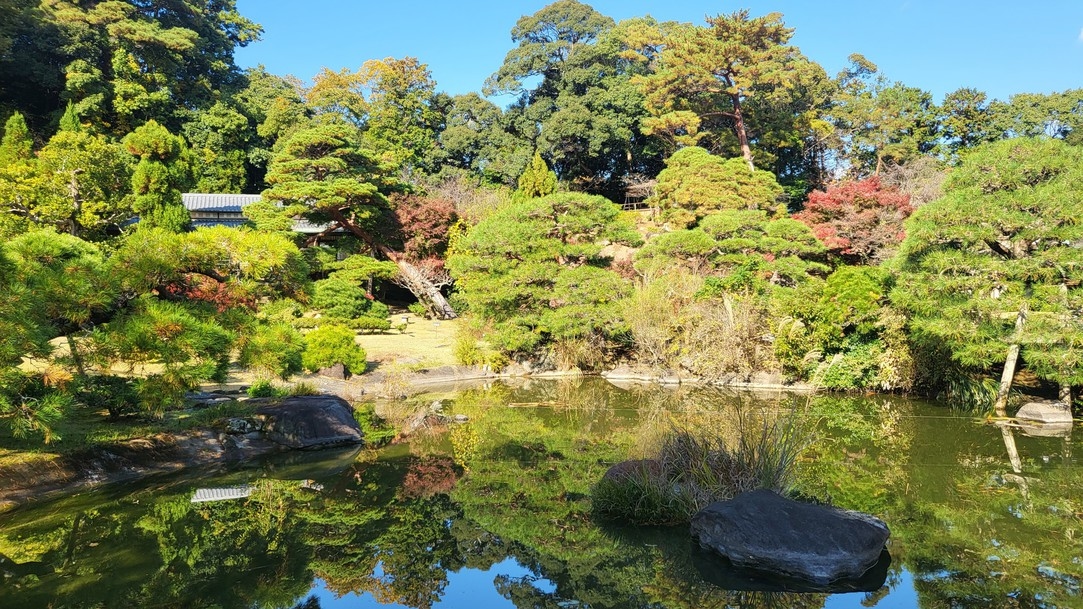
[496, 513]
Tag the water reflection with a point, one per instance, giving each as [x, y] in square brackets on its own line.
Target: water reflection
[496, 513]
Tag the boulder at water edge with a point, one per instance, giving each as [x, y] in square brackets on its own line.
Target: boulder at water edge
[1045, 411]
[310, 421]
[764, 531]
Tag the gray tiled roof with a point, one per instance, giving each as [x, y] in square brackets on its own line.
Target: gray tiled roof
[196, 201]
[222, 493]
[230, 222]
[224, 204]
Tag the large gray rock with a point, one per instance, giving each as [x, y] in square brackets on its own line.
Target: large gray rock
[1045, 411]
[310, 421]
[763, 531]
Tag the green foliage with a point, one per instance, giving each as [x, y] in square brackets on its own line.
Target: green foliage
[69, 121]
[418, 309]
[359, 268]
[30, 409]
[849, 304]
[401, 111]
[743, 247]
[264, 388]
[346, 300]
[852, 368]
[655, 314]
[735, 87]
[117, 394]
[841, 334]
[19, 176]
[369, 324]
[476, 139]
[1000, 241]
[219, 137]
[126, 63]
[880, 122]
[376, 430]
[16, 144]
[696, 183]
[272, 350]
[333, 344]
[164, 170]
[534, 270]
[181, 344]
[1053, 115]
[537, 180]
[324, 170]
[302, 388]
[86, 181]
[577, 106]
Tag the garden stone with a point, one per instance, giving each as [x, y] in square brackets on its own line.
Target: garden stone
[1045, 411]
[200, 399]
[764, 531]
[311, 421]
[338, 372]
[237, 425]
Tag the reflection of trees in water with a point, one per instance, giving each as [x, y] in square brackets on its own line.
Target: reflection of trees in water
[236, 552]
[388, 527]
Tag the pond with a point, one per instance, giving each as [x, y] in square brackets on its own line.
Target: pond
[496, 513]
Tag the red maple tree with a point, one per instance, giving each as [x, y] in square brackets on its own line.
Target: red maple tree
[859, 221]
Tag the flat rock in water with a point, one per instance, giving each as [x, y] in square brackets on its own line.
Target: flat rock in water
[1045, 411]
[764, 531]
[310, 421]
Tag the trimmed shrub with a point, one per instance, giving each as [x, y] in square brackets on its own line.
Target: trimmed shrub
[272, 350]
[264, 388]
[333, 344]
[369, 324]
[345, 299]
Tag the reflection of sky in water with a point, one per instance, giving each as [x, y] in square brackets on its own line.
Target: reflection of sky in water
[902, 595]
[466, 588]
[475, 588]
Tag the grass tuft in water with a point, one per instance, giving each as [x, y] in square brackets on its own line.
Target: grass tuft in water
[694, 468]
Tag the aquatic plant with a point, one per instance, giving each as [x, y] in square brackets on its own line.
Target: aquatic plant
[695, 467]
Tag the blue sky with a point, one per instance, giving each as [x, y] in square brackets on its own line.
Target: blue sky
[998, 46]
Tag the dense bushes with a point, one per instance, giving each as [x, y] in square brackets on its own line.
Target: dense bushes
[346, 300]
[330, 345]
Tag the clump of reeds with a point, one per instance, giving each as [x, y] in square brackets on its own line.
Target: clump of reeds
[694, 468]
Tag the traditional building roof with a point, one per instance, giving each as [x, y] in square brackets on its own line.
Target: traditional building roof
[215, 202]
[218, 209]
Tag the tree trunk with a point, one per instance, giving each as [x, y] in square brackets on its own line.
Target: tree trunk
[419, 285]
[742, 133]
[415, 280]
[1001, 405]
[76, 358]
[1009, 445]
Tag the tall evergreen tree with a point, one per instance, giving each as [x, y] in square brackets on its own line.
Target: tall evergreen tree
[323, 173]
[163, 171]
[993, 269]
